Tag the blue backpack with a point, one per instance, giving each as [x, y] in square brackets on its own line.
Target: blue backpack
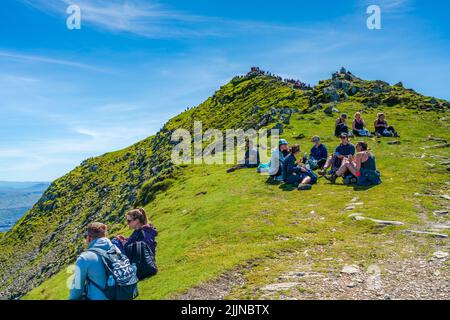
[121, 278]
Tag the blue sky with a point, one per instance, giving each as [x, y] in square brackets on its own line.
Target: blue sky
[66, 95]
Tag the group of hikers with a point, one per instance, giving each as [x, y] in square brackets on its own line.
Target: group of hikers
[382, 129]
[111, 269]
[355, 164]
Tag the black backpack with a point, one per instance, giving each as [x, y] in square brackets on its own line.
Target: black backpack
[141, 254]
[121, 278]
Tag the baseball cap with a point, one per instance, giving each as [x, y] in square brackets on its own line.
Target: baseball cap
[282, 141]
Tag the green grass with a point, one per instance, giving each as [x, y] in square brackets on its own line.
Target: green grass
[211, 222]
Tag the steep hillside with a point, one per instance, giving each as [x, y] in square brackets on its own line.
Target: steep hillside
[211, 222]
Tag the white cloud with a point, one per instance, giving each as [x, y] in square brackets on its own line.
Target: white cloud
[48, 60]
[152, 20]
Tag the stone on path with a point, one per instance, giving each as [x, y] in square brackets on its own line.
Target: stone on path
[440, 212]
[433, 234]
[359, 217]
[352, 269]
[440, 255]
[280, 286]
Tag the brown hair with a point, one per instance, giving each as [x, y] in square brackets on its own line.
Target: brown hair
[363, 145]
[138, 214]
[380, 114]
[295, 148]
[96, 230]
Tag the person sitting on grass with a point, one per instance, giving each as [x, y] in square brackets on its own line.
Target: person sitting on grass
[90, 273]
[359, 126]
[343, 151]
[251, 159]
[362, 166]
[318, 155]
[382, 129]
[341, 125]
[295, 174]
[275, 166]
[140, 247]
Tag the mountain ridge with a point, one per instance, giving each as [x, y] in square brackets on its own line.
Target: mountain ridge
[48, 238]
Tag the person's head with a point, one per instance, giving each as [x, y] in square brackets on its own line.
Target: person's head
[136, 218]
[95, 231]
[362, 146]
[316, 140]
[343, 117]
[381, 116]
[283, 145]
[295, 149]
[358, 116]
[344, 138]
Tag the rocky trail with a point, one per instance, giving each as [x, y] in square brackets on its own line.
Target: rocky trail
[423, 277]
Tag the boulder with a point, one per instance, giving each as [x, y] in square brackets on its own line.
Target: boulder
[352, 269]
[330, 110]
[392, 101]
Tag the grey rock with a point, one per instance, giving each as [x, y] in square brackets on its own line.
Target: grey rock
[351, 269]
[280, 286]
[440, 213]
[440, 255]
[433, 234]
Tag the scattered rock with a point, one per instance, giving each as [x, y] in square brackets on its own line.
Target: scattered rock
[440, 255]
[440, 227]
[439, 146]
[352, 284]
[352, 269]
[394, 142]
[330, 110]
[350, 208]
[358, 217]
[445, 196]
[440, 213]
[280, 286]
[433, 234]
[431, 138]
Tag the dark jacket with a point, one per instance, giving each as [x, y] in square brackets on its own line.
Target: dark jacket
[319, 153]
[345, 150]
[290, 167]
[147, 234]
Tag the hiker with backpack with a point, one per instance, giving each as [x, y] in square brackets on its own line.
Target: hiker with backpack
[362, 166]
[382, 129]
[295, 174]
[140, 247]
[318, 155]
[359, 126]
[102, 272]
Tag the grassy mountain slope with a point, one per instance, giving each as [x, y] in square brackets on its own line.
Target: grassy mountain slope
[211, 222]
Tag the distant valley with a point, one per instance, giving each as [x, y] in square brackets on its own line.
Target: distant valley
[16, 198]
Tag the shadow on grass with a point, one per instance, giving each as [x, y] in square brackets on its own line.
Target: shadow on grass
[273, 182]
[288, 187]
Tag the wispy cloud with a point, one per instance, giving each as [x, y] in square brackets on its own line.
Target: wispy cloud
[49, 60]
[152, 20]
